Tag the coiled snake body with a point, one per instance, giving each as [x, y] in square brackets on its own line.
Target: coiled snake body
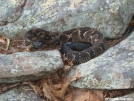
[78, 45]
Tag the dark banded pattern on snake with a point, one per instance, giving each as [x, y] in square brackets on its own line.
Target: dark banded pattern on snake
[78, 45]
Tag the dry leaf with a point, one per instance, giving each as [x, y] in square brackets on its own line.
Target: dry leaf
[68, 97]
[43, 90]
[2, 40]
[76, 76]
[60, 93]
[47, 92]
[4, 43]
[53, 92]
[67, 67]
[99, 93]
[84, 95]
[8, 43]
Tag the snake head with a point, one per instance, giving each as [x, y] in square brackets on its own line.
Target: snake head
[37, 37]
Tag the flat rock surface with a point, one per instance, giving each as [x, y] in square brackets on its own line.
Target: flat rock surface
[110, 17]
[20, 94]
[114, 69]
[27, 66]
[128, 97]
[10, 11]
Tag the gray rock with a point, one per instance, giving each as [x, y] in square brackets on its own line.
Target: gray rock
[128, 97]
[10, 11]
[109, 17]
[20, 94]
[25, 66]
[114, 69]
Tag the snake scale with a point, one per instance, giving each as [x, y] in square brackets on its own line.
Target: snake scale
[78, 45]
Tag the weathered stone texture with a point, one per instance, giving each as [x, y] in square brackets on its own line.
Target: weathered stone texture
[114, 69]
[110, 17]
[28, 66]
[20, 94]
[10, 11]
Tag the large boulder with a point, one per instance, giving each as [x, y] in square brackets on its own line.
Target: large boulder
[114, 69]
[111, 17]
[20, 94]
[29, 66]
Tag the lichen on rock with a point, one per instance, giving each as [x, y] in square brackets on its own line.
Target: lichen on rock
[111, 70]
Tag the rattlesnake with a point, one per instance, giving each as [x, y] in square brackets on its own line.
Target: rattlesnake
[78, 45]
